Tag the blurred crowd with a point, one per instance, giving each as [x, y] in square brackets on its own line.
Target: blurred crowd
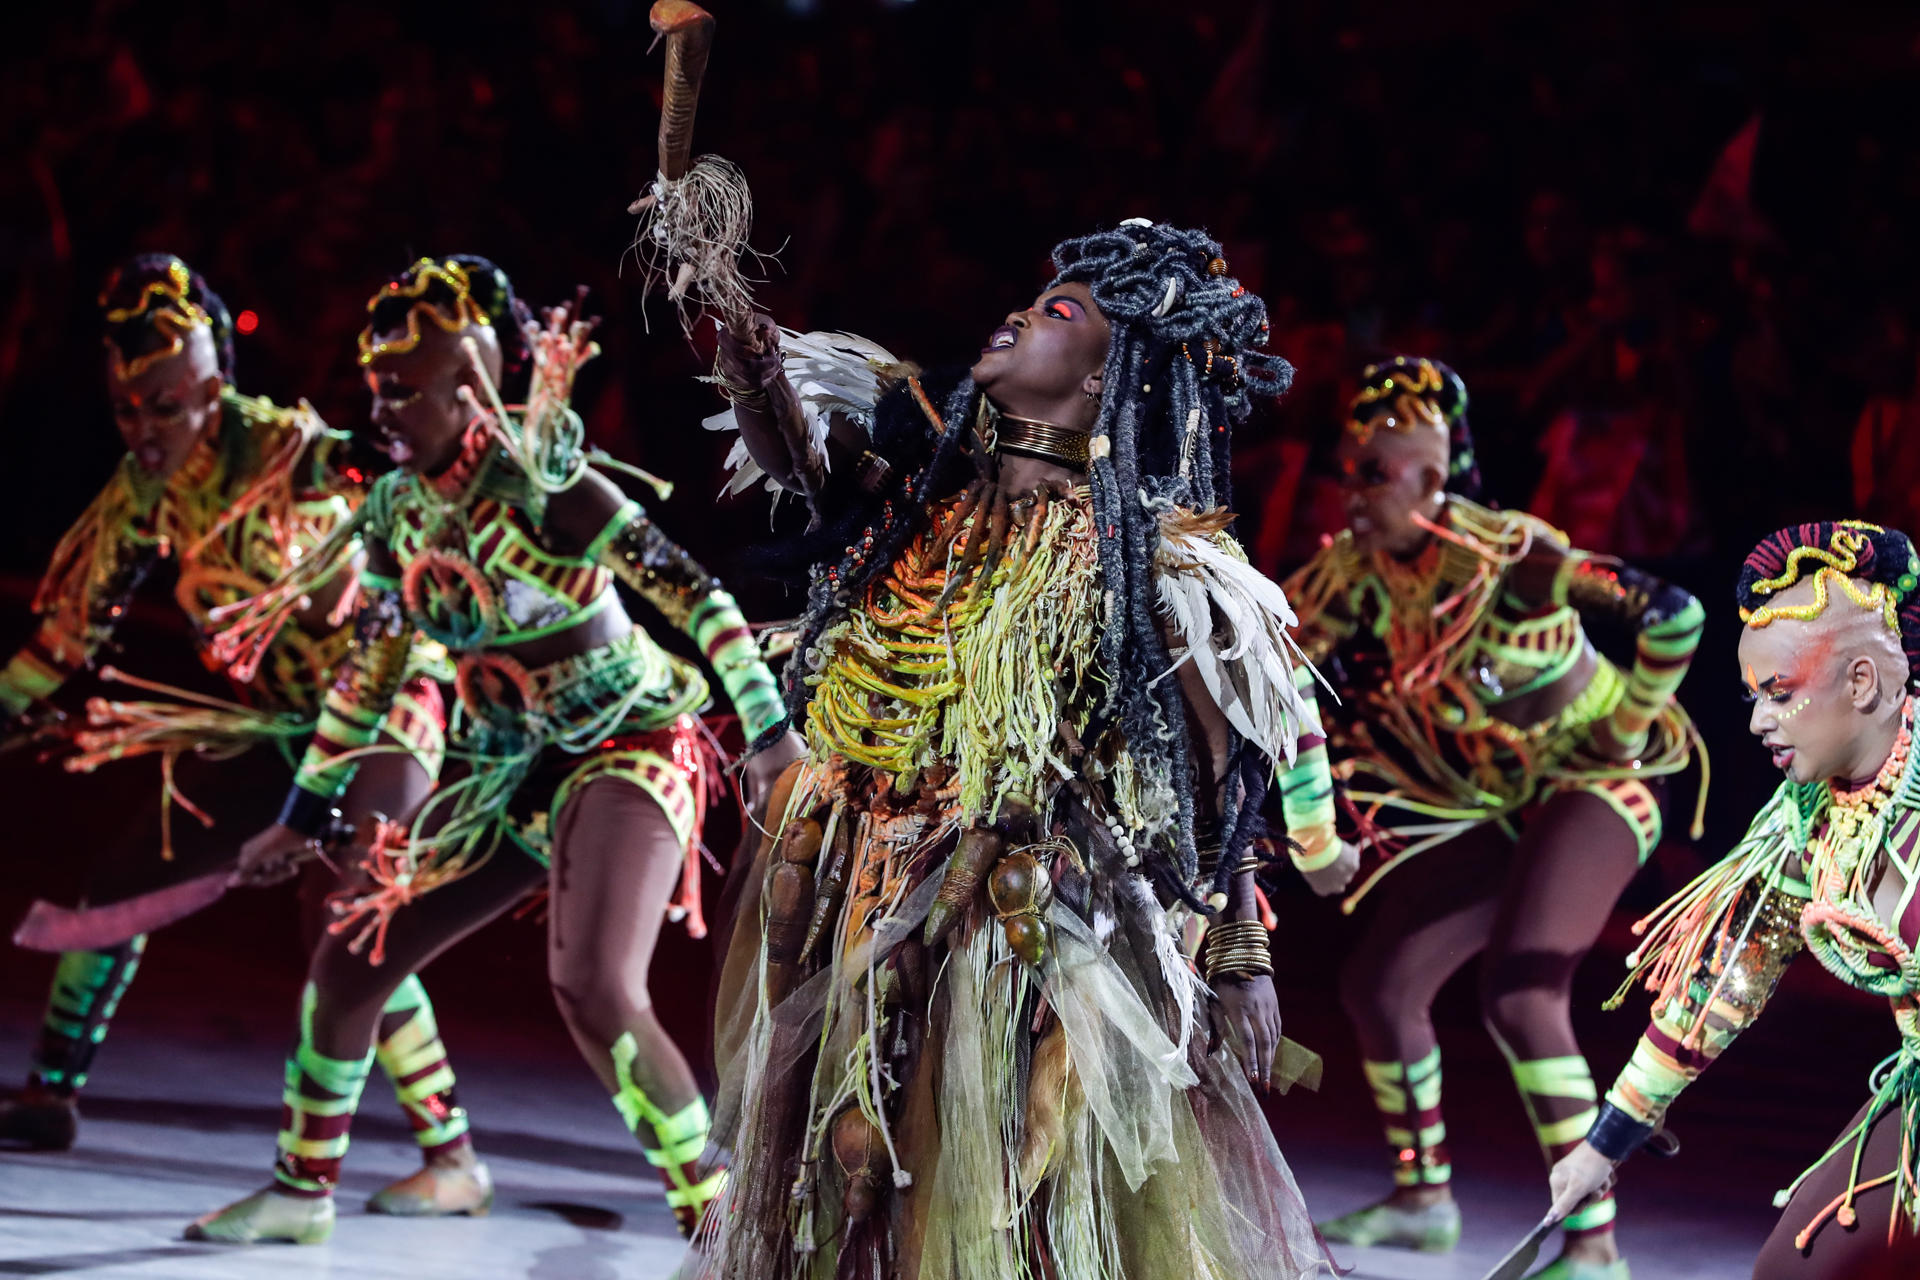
[1668, 247]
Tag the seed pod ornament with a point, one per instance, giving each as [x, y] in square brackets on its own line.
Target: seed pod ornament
[862, 1156]
[972, 854]
[789, 893]
[1021, 890]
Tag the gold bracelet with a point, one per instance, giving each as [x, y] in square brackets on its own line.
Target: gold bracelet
[1237, 948]
[752, 397]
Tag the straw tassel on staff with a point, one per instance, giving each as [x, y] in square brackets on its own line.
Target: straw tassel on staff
[697, 214]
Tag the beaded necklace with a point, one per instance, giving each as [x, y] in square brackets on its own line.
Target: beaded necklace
[1842, 929]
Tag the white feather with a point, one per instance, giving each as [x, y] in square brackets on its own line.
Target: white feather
[1206, 591]
[835, 375]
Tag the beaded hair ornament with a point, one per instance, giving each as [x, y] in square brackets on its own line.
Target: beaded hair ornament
[165, 305]
[1848, 556]
[451, 316]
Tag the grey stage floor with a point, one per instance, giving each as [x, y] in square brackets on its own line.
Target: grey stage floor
[179, 1122]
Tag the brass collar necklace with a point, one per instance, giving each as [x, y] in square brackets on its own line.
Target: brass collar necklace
[1046, 441]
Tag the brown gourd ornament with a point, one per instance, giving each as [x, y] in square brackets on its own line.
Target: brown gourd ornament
[972, 854]
[862, 1156]
[789, 893]
[1021, 890]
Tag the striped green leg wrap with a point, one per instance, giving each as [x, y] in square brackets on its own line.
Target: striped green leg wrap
[317, 1109]
[1408, 1097]
[87, 987]
[411, 1053]
[681, 1139]
[1560, 1099]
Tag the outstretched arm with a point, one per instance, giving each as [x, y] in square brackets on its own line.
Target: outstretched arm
[1748, 951]
[83, 596]
[1321, 593]
[364, 687]
[765, 404]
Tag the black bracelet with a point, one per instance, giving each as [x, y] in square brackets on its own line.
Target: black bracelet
[1617, 1135]
[305, 812]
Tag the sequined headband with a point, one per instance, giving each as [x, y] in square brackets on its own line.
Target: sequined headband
[1838, 561]
[420, 277]
[167, 308]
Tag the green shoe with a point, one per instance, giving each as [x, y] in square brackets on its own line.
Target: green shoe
[1434, 1228]
[1564, 1268]
[437, 1191]
[267, 1215]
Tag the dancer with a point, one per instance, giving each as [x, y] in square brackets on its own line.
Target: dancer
[959, 1036]
[1522, 767]
[580, 762]
[233, 489]
[1832, 614]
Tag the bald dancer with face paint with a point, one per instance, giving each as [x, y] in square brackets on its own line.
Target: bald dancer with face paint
[1831, 866]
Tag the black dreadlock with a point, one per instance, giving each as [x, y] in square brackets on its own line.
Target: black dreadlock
[1181, 369]
[142, 284]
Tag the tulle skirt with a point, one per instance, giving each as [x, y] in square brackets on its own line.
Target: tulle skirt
[944, 1110]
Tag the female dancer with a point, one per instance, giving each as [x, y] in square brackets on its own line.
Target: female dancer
[1830, 865]
[583, 765]
[972, 1046]
[235, 490]
[1525, 757]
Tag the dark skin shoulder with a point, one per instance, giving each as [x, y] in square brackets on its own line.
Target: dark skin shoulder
[574, 517]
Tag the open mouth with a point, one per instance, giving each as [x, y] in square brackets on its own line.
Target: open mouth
[1782, 755]
[151, 456]
[395, 447]
[1002, 340]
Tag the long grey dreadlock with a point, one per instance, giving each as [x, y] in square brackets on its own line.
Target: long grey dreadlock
[1181, 370]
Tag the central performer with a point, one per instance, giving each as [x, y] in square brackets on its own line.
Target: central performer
[1042, 694]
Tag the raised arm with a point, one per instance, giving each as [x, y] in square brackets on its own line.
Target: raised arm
[83, 596]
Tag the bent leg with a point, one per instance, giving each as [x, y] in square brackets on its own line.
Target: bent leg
[616, 858]
[342, 1006]
[1432, 916]
[1574, 859]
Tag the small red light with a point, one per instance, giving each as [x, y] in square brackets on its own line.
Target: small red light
[246, 321]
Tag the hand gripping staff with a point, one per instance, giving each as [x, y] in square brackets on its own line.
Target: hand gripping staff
[697, 213]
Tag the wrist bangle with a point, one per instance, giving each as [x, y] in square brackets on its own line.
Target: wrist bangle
[752, 397]
[306, 812]
[1617, 1135]
[1237, 948]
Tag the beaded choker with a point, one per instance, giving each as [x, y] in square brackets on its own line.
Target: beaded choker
[1043, 440]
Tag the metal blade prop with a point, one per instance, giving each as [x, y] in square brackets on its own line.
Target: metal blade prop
[1514, 1266]
[53, 928]
[48, 927]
